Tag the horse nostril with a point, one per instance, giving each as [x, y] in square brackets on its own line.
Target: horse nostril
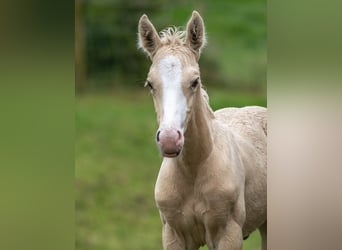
[158, 135]
[179, 139]
[179, 134]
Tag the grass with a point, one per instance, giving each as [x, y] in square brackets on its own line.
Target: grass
[117, 163]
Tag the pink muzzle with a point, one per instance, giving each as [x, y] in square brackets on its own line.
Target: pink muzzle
[170, 142]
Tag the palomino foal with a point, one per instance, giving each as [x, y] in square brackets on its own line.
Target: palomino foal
[211, 188]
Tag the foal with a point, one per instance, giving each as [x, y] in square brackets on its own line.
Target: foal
[211, 188]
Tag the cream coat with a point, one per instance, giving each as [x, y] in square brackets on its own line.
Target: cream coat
[214, 191]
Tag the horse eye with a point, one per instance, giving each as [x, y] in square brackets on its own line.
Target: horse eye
[149, 84]
[195, 83]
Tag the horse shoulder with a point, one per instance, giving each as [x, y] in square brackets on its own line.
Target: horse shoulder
[223, 192]
[168, 185]
[224, 174]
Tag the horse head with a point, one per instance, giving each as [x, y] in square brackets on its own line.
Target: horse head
[174, 77]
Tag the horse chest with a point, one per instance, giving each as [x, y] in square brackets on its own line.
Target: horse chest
[190, 209]
[180, 209]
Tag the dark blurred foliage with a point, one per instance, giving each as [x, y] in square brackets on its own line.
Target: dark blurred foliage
[106, 41]
[110, 35]
[111, 39]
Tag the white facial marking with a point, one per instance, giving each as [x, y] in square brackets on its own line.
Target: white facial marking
[174, 101]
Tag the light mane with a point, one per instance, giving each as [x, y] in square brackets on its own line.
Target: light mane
[205, 94]
[172, 36]
[205, 97]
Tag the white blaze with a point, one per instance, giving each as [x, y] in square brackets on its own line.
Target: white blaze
[174, 101]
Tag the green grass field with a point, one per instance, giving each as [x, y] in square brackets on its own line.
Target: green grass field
[117, 163]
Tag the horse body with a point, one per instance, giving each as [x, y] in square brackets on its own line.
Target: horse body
[249, 126]
[199, 192]
[211, 187]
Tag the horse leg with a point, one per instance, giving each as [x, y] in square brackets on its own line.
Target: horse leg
[171, 240]
[231, 239]
[263, 233]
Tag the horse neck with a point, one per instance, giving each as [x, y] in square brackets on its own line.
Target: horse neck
[198, 135]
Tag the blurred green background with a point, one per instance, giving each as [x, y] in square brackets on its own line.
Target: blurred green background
[116, 158]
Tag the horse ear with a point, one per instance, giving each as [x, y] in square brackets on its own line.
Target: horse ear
[148, 38]
[195, 33]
